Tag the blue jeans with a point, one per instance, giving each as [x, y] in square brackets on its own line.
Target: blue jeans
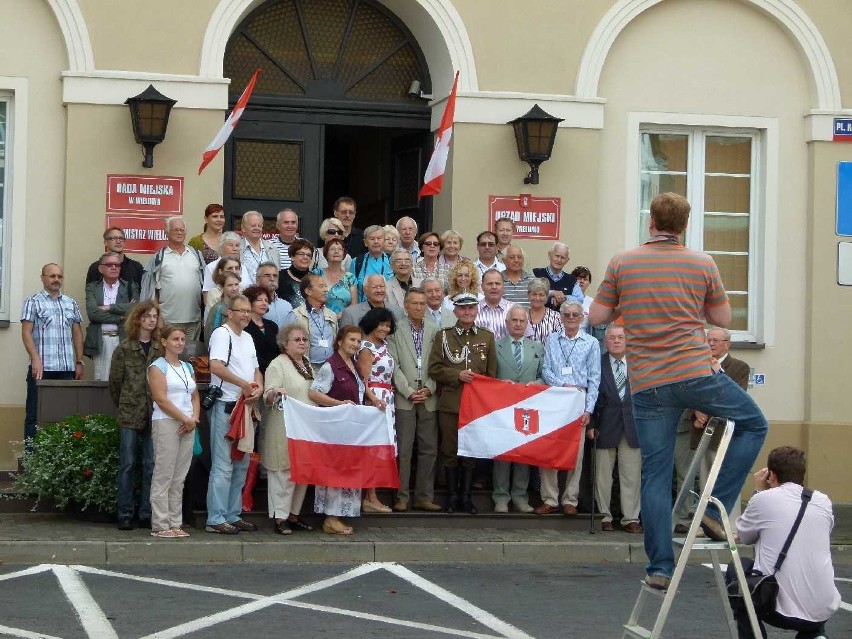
[227, 476]
[131, 441]
[657, 412]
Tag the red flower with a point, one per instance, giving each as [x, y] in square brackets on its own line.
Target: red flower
[78, 434]
[87, 473]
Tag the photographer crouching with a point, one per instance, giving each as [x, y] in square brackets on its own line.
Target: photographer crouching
[782, 513]
[233, 372]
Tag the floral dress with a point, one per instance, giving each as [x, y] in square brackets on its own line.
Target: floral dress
[381, 374]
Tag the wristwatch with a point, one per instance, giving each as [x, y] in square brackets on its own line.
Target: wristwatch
[79, 361]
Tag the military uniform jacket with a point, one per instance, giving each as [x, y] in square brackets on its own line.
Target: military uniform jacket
[482, 359]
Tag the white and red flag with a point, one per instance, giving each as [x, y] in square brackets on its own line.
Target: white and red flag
[535, 424]
[229, 126]
[434, 178]
[343, 446]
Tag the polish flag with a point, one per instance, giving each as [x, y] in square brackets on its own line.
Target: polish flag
[434, 178]
[343, 446]
[230, 124]
[536, 425]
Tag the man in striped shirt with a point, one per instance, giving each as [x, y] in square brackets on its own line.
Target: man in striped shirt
[493, 308]
[665, 292]
[515, 278]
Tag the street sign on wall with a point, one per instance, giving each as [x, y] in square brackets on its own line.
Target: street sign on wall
[142, 233]
[156, 194]
[535, 218]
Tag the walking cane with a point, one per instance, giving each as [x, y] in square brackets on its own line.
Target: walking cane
[592, 483]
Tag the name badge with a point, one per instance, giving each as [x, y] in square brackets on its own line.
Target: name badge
[567, 370]
[322, 343]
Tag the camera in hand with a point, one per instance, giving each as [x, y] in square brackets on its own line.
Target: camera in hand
[213, 393]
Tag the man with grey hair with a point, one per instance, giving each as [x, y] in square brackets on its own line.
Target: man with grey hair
[515, 278]
[254, 250]
[267, 279]
[562, 285]
[174, 277]
[287, 225]
[571, 359]
[402, 280]
[375, 289]
[374, 261]
[436, 312]
[407, 229]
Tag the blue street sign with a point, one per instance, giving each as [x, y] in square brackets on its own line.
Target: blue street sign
[844, 198]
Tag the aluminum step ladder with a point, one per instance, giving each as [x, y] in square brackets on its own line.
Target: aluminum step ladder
[689, 543]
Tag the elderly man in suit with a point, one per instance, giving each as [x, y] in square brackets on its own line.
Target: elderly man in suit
[612, 425]
[416, 403]
[108, 301]
[519, 360]
[402, 280]
[436, 312]
[375, 289]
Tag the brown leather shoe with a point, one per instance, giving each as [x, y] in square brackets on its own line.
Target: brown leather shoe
[568, 509]
[428, 506]
[633, 527]
[400, 506]
[545, 509]
[606, 526]
[681, 529]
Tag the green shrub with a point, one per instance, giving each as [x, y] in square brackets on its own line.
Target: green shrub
[75, 460]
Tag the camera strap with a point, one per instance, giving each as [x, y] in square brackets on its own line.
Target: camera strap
[230, 346]
[807, 493]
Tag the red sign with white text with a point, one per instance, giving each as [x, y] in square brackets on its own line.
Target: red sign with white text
[158, 194]
[535, 218]
[142, 233]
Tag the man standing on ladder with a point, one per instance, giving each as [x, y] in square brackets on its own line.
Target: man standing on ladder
[665, 293]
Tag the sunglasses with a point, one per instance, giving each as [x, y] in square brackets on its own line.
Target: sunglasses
[334, 232]
[298, 339]
[431, 244]
[572, 315]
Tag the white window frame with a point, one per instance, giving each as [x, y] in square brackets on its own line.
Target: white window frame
[15, 93]
[764, 198]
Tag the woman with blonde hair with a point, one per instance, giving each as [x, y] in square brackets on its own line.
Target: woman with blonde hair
[391, 239]
[451, 246]
[331, 228]
[429, 263]
[463, 278]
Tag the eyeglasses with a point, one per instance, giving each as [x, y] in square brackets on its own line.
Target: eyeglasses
[431, 244]
[302, 254]
[572, 315]
[713, 340]
[346, 213]
[115, 238]
[241, 310]
[334, 232]
[487, 244]
[298, 339]
[111, 264]
[150, 316]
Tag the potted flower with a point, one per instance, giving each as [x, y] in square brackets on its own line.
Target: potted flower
[73, 462]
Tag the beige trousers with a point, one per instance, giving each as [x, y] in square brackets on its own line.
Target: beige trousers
[629, 480]
[282, 495]
[172, 457]
[550, 482]
[103, 360]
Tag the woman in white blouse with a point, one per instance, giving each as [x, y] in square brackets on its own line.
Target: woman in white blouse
[176, 413]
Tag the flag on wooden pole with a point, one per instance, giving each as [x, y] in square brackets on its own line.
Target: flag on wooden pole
[434, 178]
[230, 124]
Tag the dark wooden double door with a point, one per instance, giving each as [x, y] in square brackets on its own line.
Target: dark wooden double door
[273, 163]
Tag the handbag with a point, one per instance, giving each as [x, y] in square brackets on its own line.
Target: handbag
[764, 588]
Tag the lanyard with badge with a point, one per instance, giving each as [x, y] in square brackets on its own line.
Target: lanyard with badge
[568, 370]
[322, 342]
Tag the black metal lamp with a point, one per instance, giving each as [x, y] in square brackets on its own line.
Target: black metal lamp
[149, 112]
[535, 133]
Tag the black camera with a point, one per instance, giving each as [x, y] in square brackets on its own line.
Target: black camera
[213, 393]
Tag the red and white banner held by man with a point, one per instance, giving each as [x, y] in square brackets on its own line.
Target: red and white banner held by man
[230, 124]
[527, 424]
[434, 178]
[344, 446]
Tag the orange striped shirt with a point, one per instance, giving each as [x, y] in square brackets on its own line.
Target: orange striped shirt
[661, 289]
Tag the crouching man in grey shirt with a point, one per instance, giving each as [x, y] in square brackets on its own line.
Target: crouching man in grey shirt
[807, 596]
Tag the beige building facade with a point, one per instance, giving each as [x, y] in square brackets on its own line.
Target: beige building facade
[730, 102]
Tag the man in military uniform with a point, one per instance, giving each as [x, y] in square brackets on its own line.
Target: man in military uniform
[459, 353]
